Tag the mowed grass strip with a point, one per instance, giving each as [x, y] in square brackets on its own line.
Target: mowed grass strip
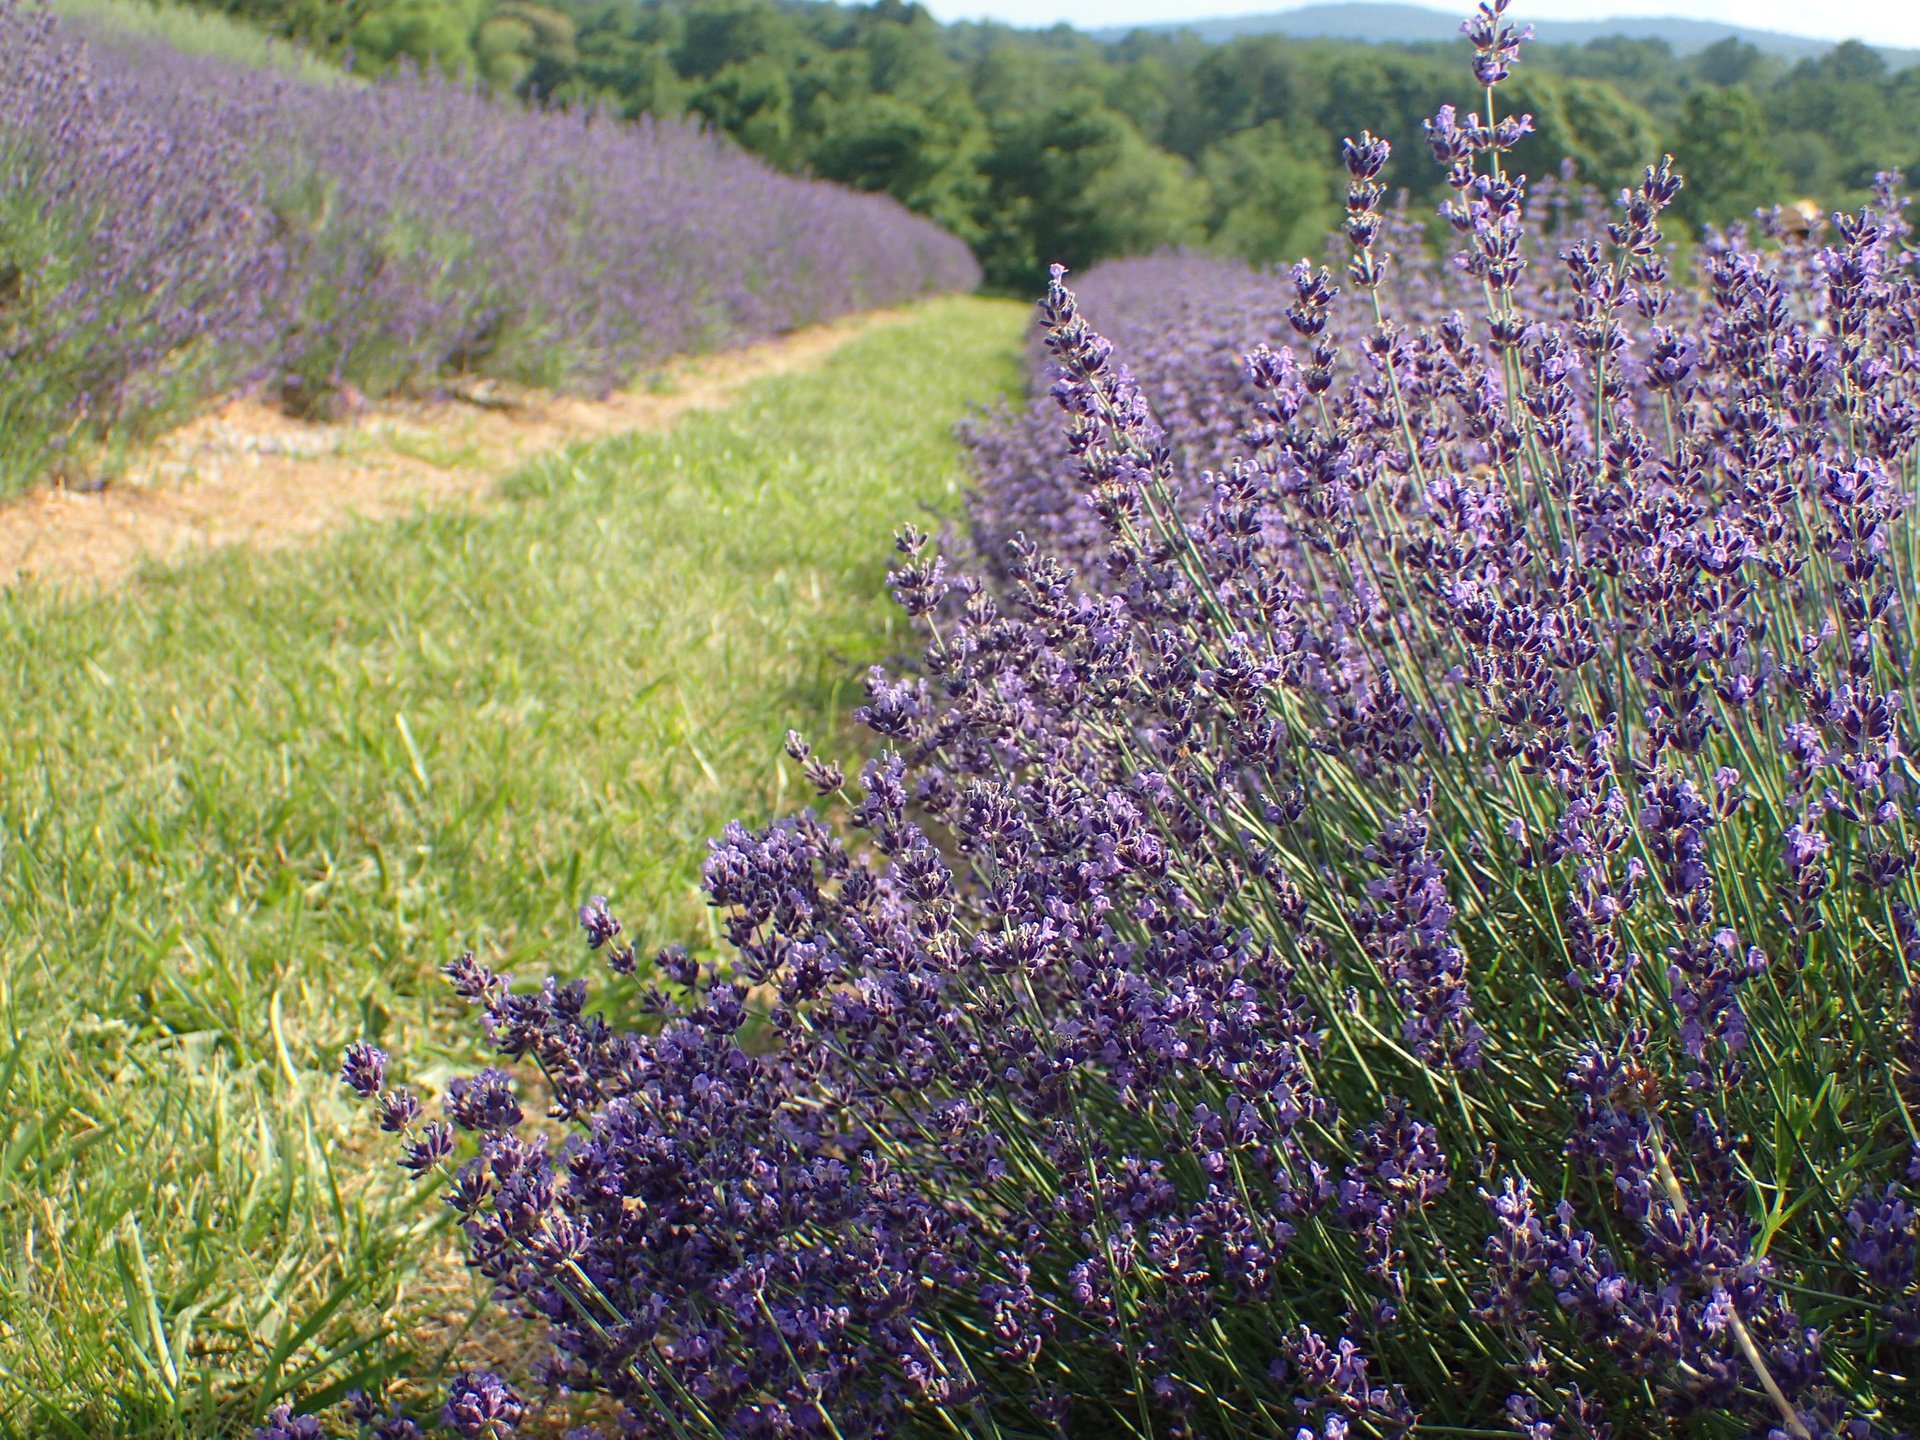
[252, 804]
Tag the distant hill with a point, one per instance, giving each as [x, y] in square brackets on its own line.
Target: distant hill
[1416, 24]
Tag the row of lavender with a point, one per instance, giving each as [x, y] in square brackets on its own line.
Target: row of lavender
[1388, 908]
[175, 225]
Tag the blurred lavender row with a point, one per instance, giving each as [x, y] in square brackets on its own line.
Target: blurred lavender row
[178, 225]
[1186, 321]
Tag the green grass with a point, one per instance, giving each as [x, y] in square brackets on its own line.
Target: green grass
[251, 804]
[198, 32]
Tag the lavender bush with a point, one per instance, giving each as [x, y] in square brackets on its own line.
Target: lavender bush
[171, 224]
[1387, 909]
[135, 270]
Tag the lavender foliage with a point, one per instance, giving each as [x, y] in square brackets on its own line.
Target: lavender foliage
[1387, 906]
[175, 225]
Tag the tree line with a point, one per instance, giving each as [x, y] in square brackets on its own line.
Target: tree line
[1051, 144]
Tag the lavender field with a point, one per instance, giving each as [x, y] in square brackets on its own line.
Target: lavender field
[1351, 871]
[1384, 905]
[181, 225]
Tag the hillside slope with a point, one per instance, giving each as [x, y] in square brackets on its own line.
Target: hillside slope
[1417, 24]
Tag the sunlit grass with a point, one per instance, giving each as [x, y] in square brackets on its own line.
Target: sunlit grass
[198, 32]
[251, 804]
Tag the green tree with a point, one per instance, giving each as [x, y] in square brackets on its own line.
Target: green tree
[1623, 59]
[527, 47]
[1076, 182]
[1609, 139]
[1838, 117]
[1274, 193]
[432, 33]
[637, 74]
[1731, 61]
[1390, 93]
[1243, 85]
[1024, 73]
[324, 25]
[723, 33]
[1723, 150]
[752, 100]
[904, 53]
[926, 156]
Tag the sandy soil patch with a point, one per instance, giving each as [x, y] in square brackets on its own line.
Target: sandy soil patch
[248, 474]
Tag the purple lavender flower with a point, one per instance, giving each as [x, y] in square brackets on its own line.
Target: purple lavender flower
[1496, 44]
[399, 1108]
[222, 228]
[1400, 814]
[363, 1069]
[483, 1102]
[428, 1150]
[1885, 1228]
[600, 925]
[284, 1424]
[376, 1423]
[481, 1406]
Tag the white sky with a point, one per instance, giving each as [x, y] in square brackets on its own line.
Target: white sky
[1884, 22]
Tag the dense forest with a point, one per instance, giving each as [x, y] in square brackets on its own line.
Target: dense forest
[1044, 145]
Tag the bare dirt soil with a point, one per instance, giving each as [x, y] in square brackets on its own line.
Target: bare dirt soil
[248, 474]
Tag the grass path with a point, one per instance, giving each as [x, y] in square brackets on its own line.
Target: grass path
[250, 804]
[249, 474]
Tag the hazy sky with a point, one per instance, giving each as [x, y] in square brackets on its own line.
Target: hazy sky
[1886, 22]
